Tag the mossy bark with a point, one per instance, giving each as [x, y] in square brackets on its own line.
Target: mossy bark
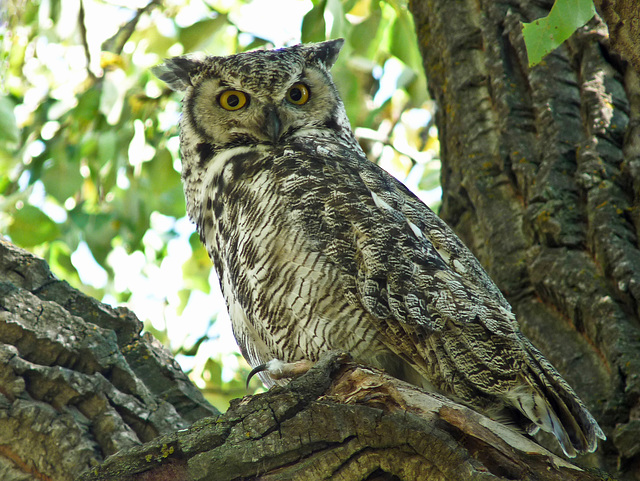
[541, 178]
[78, 381]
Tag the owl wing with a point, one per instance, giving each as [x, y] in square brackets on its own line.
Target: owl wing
[426, 292]
[399, 259]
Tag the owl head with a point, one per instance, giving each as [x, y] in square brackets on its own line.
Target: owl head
[263, 97]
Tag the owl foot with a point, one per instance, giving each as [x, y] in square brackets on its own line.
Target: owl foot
[278, 369]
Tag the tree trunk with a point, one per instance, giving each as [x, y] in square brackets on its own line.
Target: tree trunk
[541, 178]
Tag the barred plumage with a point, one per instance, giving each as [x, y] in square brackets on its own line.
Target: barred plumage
[317, 248]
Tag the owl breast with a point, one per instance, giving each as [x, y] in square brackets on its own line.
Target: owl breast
[286, 300]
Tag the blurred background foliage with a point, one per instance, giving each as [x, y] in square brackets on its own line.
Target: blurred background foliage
[89, 161]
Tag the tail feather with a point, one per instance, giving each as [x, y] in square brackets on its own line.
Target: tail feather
[537, 409]
[548, 401]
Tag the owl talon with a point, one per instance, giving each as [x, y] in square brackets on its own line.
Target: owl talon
[278, 369]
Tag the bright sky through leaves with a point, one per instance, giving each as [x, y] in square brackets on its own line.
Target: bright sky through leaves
[89, 158]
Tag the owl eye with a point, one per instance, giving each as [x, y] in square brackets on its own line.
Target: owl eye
[232, 100]
[298, 94]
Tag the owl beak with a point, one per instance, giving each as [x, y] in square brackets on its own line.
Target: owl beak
[273, 126]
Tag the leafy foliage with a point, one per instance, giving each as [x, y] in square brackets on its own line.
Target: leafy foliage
[89, 162]
[544, 35]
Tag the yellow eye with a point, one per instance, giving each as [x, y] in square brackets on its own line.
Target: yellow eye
[232, 100]
[298, 94]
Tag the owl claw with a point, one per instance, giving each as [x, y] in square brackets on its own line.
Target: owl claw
[278, 369]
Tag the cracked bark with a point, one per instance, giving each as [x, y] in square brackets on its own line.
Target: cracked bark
[541, 178]
[77, 380]
[342, 422]
[78, 383]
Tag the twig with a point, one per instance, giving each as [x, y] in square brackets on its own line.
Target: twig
[116, 43]
[85, 43]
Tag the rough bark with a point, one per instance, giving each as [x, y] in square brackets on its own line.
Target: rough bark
[342, 422]
[78, 383]
[541, 178]
[77, 380]
[623, 22]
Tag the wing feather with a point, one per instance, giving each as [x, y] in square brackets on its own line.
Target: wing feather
[429, 296]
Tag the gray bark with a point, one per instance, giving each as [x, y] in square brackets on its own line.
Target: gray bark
[79, 383]
[342, 422]
[77, 380]
[541, 178]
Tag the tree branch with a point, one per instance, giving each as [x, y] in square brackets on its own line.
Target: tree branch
[78, 380]
[342, 421]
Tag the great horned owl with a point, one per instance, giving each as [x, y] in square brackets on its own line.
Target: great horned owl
[319, 249]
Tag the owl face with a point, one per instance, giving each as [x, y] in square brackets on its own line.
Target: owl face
[257, 98]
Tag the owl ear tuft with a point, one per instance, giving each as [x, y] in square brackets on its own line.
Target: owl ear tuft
[327, 52]
[177, 72]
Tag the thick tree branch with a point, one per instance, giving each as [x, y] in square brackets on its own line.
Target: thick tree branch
[78, 381]
[345, 422]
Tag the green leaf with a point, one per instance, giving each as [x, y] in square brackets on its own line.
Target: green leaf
[404, 44]
[31, 227]
[196, 269]
[163, 189]
[430, 179]
[60, 261]
[98, 231]
[195, 36]
[61, 177]
[340, 26]
[544, 35]
[313, 26]
[88, 105]
[9, 131]
[364, 35]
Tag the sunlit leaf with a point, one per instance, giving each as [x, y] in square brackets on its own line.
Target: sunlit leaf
[313, 25]
[155, 41]
[340, 26]
[110, 60]
[430, 179]
[88, 104]
[60, 262]
[31, 226]
[544, 35]
[404, 44]
[364, 34]
[98, 231]
[9, 131]
[196, 270]
[62, 177]
[195, 36]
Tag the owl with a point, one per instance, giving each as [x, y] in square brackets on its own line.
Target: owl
[319, 249]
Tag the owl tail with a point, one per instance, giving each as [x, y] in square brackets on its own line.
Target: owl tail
[548, 401]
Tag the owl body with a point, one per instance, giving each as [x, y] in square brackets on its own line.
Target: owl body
[318, 249]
